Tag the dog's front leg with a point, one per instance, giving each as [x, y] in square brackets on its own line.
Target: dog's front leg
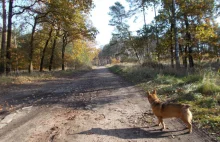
[160, 120]
[163, 124]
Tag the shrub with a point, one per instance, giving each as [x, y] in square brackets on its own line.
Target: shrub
[115, 61]
[129, 59]
[167, 79]
[192, 78]
[152, 64]
[208, 102]
[116, 69]
[209, 84]
[191, 97]
[208, 88]
[6, 79]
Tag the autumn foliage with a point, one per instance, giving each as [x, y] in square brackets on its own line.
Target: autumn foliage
[47, 35]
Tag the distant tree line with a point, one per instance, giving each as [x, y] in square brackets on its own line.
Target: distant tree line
[182, 31]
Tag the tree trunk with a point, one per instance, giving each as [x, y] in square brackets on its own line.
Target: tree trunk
[188, 40]
[185, 57]
[191, 62]
[63, 50]
[44, 50]
[144, 18]
[139, 60]
[53, 50]
[171, 47]
[30, 68]
[155, 14]
[8, 49]
[182, 52]
[16, 54]
[3, 44]
[177, 58]
[145, 37]
[157, 40]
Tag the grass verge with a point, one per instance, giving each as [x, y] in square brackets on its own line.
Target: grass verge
[25, 77]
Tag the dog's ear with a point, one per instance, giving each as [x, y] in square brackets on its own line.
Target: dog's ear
[148, 94]
[154, 92]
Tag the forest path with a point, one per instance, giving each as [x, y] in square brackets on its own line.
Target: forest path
[95, 107]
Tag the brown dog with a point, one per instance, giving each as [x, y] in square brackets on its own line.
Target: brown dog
[168, 110]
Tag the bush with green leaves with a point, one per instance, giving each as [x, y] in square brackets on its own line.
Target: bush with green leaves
[208, 102]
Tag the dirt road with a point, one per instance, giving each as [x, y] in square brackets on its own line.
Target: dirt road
[95, 107]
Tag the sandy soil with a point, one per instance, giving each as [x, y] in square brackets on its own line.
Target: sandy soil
[95, 107]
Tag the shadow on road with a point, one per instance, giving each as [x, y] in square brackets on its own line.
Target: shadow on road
[93, 88]
[134, 133]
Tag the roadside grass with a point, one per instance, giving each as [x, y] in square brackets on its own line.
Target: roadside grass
[25, 77]
[200, 89]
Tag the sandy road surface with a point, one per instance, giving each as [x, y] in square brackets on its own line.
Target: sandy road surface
[95, 107]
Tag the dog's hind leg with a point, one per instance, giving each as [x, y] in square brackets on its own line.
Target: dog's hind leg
[189, 124]
[187, 119]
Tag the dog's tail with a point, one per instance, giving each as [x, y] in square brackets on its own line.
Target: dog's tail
[186, 106]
